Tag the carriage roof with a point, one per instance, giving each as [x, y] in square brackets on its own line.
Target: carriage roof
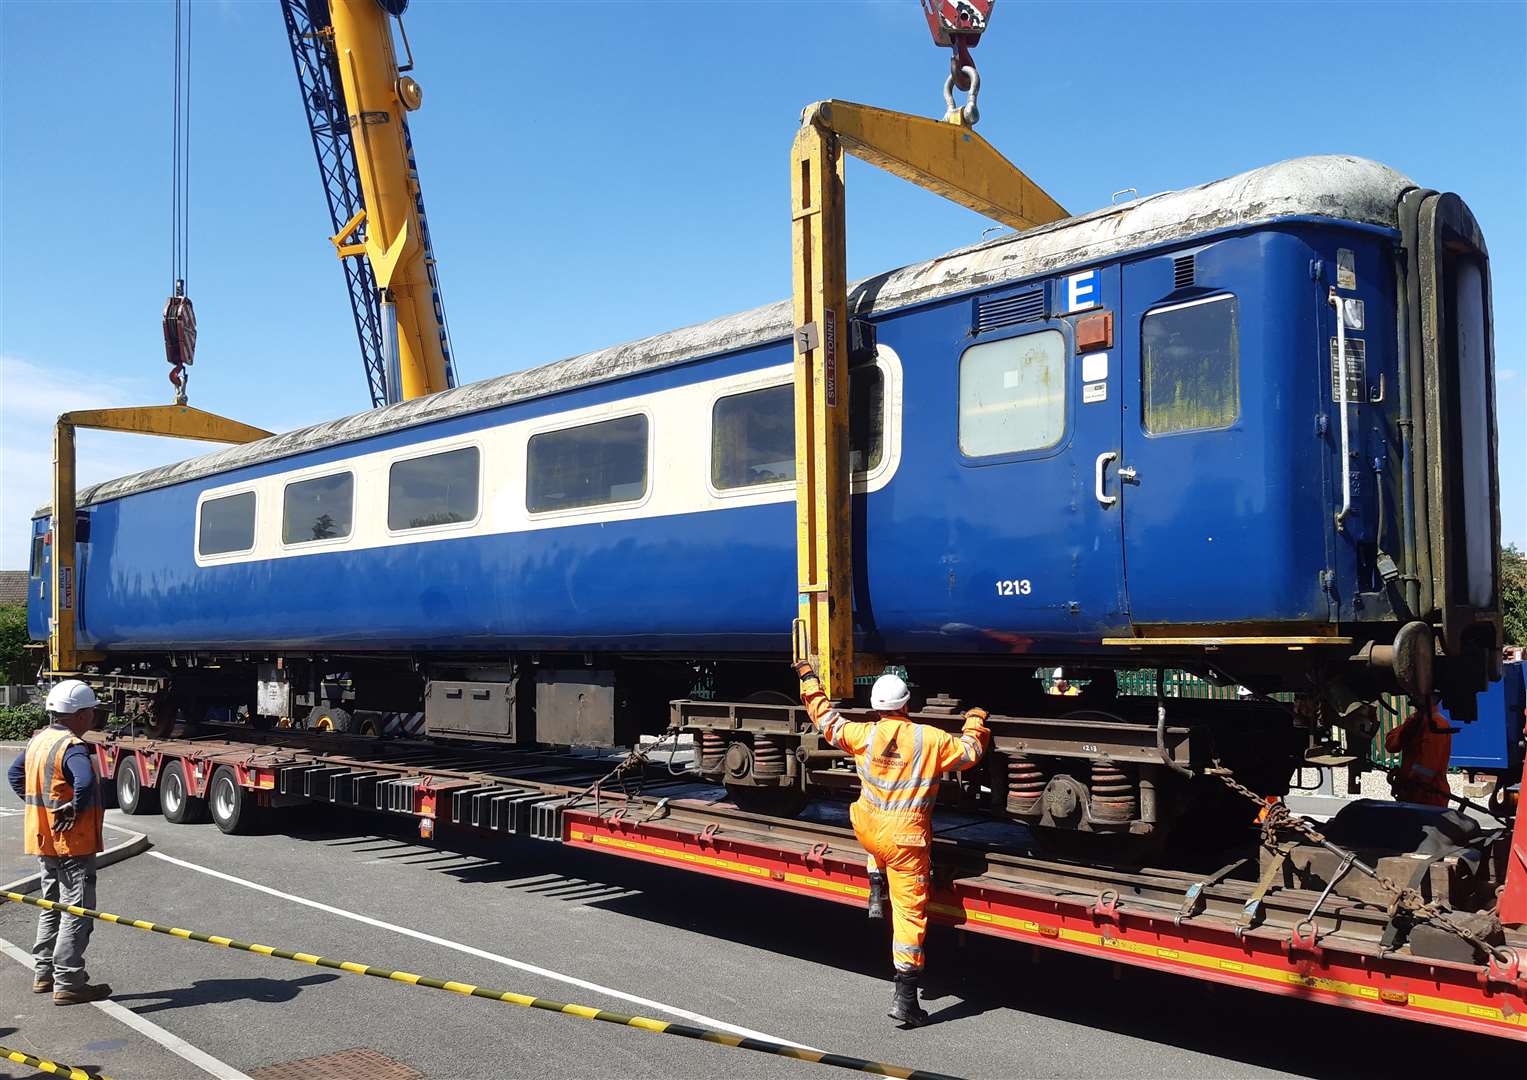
[1330, 186]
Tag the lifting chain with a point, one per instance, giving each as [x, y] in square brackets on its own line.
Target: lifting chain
[1406, 898]
[633, 760]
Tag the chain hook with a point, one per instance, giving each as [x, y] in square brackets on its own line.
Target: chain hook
[968, 114]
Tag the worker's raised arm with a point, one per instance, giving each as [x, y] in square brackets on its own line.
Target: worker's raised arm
[955, 753]
[853, 738]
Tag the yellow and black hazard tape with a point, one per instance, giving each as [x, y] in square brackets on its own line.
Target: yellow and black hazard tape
[663, 1027]
[44, 1065]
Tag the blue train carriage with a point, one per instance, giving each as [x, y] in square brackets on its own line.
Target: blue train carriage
[1118, 441]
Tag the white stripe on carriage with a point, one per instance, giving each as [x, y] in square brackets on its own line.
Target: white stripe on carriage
[678, 480]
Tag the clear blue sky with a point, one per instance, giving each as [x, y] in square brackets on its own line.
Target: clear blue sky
[596, 172]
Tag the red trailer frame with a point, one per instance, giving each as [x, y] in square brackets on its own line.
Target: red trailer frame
[433, 784]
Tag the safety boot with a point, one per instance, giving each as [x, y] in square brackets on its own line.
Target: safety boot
[904, 1006]
[42, 984]
[88, 993]
[877, 896]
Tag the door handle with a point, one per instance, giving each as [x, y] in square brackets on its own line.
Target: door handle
[1101, 467]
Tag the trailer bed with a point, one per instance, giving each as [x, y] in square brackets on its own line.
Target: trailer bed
[987, 876]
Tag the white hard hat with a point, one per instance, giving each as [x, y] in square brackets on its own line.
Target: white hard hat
[889, 694]
[70, 696]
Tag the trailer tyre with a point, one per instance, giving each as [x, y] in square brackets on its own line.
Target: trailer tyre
[179, 806]
[234, 809]
[132, 796]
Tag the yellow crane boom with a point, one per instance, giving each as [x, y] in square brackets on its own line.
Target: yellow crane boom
[377, 97]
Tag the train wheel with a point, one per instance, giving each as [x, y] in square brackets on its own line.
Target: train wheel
[233, 808]
[180, 807]
[371, 724]
[330, 718]
[784, 802]
[161, 718]
[132, 796]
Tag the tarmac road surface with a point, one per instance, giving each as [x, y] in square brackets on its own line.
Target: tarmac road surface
[581, 927]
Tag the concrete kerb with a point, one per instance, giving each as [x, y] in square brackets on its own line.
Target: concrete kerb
[136, 844]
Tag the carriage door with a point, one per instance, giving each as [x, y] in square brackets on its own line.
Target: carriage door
[1038, 422]
[1191, 486]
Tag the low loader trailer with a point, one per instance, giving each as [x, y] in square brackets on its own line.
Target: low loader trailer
[1291, 918]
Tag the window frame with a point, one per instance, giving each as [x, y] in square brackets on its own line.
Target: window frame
[1068, 373]
[444, 526]
[566, 424]
[217, 495]
[1197, 301]
[890, 449]
[332, 541]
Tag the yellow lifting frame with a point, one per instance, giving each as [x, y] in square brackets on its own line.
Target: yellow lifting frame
[946, 157]
[177, 421]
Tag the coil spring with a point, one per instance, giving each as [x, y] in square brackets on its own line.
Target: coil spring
[768, 755]
[1025, 786]
[1115, 799]
[712, 751]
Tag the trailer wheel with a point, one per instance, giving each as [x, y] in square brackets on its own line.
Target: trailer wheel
[234, 809]
[180, 807]
[132, 796]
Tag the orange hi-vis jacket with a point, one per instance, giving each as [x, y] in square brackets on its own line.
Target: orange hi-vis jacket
[1425, 745]
[49, 791]
[899, 764]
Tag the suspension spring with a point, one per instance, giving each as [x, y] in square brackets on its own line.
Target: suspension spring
[768, 755]
[712, 751]
[1115, 797]
[1025, 786]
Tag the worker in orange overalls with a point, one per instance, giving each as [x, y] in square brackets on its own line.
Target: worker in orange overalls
[1425, 745]
[899, 765]
[62, 827]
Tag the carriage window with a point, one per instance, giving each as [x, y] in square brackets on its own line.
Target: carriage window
[587, 466]
[1013, 394]
[434, 490]
[752, 438]
[37, 546]
[1190, 362]
[866, 418]
[318, 509]
[753, 434]
[227, 524]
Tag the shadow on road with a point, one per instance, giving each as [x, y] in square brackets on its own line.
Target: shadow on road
[221, 991]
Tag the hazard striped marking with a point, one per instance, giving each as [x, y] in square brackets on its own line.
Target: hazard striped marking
[44, 1065]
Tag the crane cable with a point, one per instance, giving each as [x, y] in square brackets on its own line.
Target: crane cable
[180, 183]
[179, 316]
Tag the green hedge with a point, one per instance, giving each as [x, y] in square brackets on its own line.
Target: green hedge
[17, 665]
[18, 724]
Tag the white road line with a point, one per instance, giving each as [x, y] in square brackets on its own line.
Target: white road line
[173, 1043]
[483, 954]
